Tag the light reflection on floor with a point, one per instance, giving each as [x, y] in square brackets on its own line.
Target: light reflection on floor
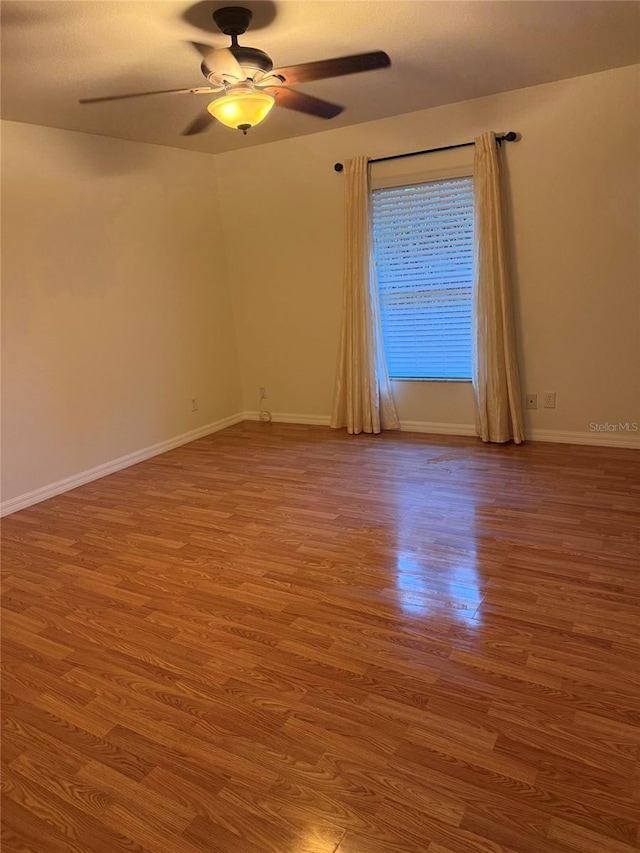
[439, 589]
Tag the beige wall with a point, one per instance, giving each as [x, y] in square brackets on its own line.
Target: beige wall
[115, 303]
[575, 185]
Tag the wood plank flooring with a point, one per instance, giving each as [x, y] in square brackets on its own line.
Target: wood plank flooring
[282, 639]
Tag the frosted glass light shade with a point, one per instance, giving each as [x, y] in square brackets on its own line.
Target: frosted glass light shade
[242, 110]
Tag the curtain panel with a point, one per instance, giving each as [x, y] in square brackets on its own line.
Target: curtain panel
[496, 381]
[363, 401]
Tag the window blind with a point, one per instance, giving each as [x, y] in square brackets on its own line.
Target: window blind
[423, 247]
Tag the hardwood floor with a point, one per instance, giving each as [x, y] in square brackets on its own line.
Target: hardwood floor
[281, 639]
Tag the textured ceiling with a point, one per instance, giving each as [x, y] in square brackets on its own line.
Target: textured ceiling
[54, 53]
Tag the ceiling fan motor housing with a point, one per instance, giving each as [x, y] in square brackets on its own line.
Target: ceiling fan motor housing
[233, 20]
[252, 58]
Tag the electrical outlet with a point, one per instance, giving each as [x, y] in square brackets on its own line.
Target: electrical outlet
[194, 404]
[550, 400]
[531, 401]
[263, 392]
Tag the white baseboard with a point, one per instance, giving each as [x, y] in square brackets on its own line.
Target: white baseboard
[601, 439]
[405, 426]
[42, 494]
[435, 428]
[288, 418]
[597, 439]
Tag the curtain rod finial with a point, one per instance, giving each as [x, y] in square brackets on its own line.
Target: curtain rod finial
[338, 167]
[512, 136]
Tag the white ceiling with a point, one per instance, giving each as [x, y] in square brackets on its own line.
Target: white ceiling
[57, 51]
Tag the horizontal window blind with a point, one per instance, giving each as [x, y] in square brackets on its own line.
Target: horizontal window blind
[423, 245]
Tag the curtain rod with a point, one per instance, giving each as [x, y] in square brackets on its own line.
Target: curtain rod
[511, 136]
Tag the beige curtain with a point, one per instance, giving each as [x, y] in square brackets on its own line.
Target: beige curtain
[495, 369]
[363, 400]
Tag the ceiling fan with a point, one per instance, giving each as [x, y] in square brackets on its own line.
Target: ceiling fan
[247, 83]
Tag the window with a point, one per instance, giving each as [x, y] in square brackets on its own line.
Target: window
[423, 245]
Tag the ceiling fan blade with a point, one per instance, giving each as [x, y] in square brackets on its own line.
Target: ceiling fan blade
[290, 99]
[219, 61]
[324, 68]
[203, 49]
[224, 64]
[198, 91]
[201, 122]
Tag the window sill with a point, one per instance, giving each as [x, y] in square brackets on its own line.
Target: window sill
[426, 379]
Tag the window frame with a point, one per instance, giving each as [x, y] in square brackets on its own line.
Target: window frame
[412, 179]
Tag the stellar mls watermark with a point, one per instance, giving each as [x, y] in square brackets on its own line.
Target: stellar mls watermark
[618, 426]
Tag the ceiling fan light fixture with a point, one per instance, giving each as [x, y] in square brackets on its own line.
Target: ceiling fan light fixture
[242, 109]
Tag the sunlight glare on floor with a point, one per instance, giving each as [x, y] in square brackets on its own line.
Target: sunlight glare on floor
[459, 596]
